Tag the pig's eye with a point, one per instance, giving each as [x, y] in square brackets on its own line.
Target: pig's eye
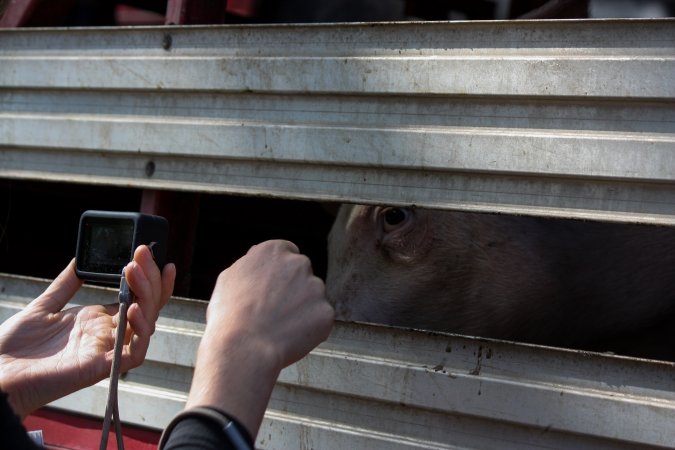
[394, 217]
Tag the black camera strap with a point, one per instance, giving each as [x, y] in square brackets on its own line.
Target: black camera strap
[126, 298]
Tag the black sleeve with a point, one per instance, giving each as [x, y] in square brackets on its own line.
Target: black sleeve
[196, 433]
[13, 433]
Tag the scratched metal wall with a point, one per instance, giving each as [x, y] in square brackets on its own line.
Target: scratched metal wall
[572, 119]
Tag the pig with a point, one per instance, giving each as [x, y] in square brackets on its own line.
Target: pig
[556, 282]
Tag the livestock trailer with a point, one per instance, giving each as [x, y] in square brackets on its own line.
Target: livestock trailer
[571, 119]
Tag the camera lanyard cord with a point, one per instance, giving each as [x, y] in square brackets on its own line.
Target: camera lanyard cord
[126, 298]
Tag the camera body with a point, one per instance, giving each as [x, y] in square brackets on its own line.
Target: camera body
[107, 239]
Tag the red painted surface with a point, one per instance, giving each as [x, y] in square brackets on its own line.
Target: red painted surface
[51, 12]
[44, 13]
[243, 8]
[18, 12]
[193, 12]
[73, 432]
[129, 16]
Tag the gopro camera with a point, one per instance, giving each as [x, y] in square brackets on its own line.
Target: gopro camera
[106, 242]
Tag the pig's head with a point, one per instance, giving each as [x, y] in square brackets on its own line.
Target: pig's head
[428, 269]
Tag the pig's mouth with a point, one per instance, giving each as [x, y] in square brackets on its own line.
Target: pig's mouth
[345, 313]
[342, 312]
[348, 313]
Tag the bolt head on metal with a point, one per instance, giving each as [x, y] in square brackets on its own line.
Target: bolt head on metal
[150, 169]
[166, 42]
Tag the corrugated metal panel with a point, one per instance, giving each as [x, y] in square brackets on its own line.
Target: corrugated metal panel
[553, 118]
[522, 117]
[382, 388]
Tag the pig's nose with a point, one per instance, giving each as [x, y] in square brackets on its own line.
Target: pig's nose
[342, 312]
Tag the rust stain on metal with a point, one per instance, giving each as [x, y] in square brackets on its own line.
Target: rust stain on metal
[479, 362]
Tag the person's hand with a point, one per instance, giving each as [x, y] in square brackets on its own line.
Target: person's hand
[47, 352]
[267, 311]
[272, 299]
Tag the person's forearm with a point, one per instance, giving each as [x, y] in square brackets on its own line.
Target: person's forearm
[238, 380]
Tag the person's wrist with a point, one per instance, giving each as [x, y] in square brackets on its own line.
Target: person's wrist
[245, 342]
[235, 372]
[238, 354]
[8, 387]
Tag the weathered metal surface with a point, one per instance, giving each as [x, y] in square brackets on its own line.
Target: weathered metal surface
[571, 118]
[383, 388]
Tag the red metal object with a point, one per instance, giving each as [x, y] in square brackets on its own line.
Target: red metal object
[126, 15]
[183, 12]
[20, 13]
[243, 8]
[181, 209]
[72, 432]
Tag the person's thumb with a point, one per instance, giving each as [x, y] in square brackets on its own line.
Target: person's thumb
[62, 289]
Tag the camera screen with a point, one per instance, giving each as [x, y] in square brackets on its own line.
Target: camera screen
[108, 245]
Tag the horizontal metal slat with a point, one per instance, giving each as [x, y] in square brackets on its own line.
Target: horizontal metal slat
[549, 37]
[569, 58]
[649, 78]
[518, 151]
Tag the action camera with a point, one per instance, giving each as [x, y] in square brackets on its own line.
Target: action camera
[107, 239]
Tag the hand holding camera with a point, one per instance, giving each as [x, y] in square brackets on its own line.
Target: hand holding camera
[47, 352]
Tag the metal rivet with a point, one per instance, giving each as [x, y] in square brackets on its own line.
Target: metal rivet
[166, 42]
[150, 168]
